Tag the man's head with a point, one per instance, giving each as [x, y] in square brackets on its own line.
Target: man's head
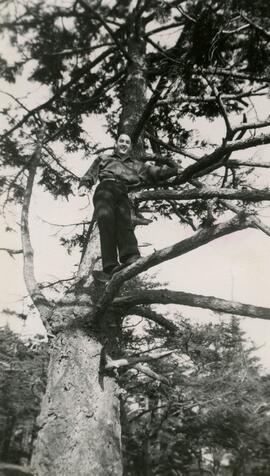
[123, 145]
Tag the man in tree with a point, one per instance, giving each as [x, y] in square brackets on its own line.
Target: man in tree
[117, 173]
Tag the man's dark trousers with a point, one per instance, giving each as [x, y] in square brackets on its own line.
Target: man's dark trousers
[112, 212]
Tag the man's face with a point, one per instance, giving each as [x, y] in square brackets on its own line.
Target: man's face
[123, 144]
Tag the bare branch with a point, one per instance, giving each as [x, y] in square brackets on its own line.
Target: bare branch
[11, 252]
[236, 30]
[164, 28]
[182, 247]
[131, 361]
[165, 296]
[33, 288]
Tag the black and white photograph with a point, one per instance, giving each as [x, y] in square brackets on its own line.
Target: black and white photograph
[135, 238]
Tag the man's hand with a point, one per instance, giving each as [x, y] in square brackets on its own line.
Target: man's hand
[83, 191]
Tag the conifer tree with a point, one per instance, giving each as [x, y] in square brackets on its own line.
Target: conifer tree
[107, 58]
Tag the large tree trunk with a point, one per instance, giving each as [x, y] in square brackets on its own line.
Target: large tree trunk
[79, 428]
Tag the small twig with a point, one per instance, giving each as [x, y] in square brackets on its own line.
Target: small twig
[11, 252]
[265, 33]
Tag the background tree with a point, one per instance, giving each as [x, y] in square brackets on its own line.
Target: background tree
[106, 58]
[23, 381]
[212, 414]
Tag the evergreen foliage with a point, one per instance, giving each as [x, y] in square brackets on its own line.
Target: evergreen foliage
[212, 417]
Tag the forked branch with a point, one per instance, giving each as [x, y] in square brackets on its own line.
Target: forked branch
[32, 286]
[182, 247]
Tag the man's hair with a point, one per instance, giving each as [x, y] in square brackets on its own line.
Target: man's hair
[123, 134]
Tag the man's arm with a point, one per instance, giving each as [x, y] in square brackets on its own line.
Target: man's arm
[90, 177]
[164, 172]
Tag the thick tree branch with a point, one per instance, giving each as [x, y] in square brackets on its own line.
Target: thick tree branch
[182, 247]
[215, 158]
[206, 98]
[250, 163]
[165, 296]
[205, 194]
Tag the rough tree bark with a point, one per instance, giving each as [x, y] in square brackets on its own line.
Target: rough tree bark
[78, 427]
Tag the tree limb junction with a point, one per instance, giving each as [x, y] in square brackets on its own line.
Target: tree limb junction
[182, 247]
[165, 296]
